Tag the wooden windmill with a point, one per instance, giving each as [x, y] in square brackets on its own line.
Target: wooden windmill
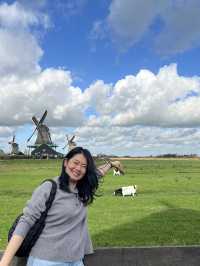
[71, 144]
[43, 147]
[43, 133]
[14, 146]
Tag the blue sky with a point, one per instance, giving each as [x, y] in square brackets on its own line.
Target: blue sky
[122, 75]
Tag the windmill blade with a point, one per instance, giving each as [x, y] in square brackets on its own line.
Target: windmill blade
[64, 147]
[31, 135]
[43, 117]
[12, 140]
[72, 138]
[37, 127]
[35, 121]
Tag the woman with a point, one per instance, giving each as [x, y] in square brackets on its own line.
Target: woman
[65, 239]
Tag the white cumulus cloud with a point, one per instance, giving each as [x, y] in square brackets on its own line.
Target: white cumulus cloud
[163, 99]
[129, 21]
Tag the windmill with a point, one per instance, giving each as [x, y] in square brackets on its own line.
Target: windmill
[14, 146]
[70, 143]
[43, 133]
[2, 153]
[43, 147]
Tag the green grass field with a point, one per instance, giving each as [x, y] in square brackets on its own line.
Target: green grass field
[165, 212]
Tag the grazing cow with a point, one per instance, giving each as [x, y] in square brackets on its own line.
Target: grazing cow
[126, 191]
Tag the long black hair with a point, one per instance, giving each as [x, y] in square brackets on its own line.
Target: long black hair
[86, 186]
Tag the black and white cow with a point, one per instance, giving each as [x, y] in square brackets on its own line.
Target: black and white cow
[126, 191]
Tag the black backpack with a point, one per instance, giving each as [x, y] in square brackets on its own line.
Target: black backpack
[35, 231]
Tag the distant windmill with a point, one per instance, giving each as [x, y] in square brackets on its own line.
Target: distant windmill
[2, 153]
[14, 146]
[70, 143]
[43, 134]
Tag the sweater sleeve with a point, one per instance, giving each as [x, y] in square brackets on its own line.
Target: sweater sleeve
[99, 174]
[33, 208]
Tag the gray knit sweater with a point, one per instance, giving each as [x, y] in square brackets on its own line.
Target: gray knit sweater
[65, 237]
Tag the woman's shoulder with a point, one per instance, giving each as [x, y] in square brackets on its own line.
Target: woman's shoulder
[47, 182]
[46, 185]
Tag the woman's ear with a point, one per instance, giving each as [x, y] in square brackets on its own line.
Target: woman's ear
[65, 162]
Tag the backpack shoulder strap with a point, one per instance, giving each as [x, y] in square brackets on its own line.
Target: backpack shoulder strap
[51, 195]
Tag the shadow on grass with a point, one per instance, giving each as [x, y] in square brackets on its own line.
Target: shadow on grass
[172, 226]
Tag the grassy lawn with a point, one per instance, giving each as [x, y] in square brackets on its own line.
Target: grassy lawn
[165, 212]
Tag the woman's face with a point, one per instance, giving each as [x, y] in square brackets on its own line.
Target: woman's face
[76, 167]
